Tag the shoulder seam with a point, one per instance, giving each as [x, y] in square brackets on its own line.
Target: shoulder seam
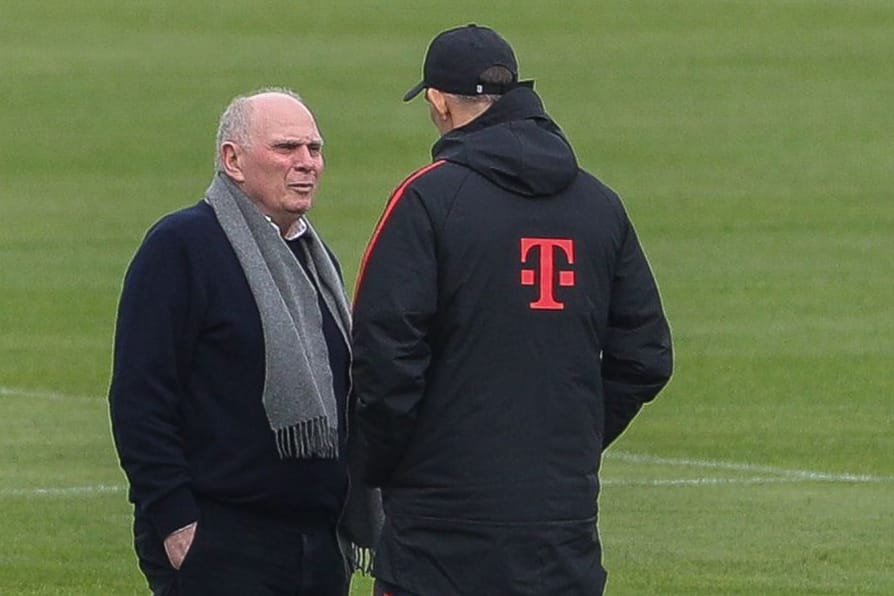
[395, 197]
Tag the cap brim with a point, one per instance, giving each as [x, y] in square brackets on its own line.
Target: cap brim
[416, 90]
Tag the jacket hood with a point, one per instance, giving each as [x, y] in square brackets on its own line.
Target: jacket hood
[515, 145]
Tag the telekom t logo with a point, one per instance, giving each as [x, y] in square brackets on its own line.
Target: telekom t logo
[546, 278]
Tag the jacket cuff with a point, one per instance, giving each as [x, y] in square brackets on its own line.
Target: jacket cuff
[172, 512]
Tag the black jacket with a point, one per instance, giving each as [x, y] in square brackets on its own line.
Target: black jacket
[185, 396]
[507, 328]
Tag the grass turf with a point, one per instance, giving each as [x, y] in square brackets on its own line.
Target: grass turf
[750, 141]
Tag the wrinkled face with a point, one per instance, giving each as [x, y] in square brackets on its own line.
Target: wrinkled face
[280, 166]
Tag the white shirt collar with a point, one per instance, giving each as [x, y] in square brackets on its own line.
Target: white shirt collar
[296, 230]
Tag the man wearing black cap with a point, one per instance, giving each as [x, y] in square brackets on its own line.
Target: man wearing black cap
[507, 328]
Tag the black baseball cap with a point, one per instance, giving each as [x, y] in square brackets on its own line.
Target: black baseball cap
[457, 57]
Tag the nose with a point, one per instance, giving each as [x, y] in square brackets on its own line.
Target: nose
[303, 158]
[301, 155]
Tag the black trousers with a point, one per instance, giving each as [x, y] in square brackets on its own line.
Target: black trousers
[240, 553]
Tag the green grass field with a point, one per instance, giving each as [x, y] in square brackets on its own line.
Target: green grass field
[751, 141]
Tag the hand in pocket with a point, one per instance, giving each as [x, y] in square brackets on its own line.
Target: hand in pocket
[177, 544]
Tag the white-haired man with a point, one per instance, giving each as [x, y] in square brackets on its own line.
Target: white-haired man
[231, 373]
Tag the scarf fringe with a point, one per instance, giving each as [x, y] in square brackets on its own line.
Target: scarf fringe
[361, 560]
[308, 438]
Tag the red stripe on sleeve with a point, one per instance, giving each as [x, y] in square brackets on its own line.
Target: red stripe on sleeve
[389, 207]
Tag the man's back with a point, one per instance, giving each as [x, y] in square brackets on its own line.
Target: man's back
[486, 354]
[513, 396]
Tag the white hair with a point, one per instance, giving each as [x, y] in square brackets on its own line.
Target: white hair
[235, 122]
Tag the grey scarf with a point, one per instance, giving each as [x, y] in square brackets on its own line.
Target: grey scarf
[298, 395]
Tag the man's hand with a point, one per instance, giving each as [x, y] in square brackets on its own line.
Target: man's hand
[177, 544]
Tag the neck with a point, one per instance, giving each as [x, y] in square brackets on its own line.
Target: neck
[461, 114]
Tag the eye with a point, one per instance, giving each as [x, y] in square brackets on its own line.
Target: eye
[315, 147]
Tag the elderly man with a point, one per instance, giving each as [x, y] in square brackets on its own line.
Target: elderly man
[507, 328]
[231, 373]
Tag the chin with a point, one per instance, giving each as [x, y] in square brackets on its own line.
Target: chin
[302, 207]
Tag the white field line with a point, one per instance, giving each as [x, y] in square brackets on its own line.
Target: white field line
[762, 474]
[777, 475]
[70, 491]
[55, 491]
[706, 481]
[780, 474]
[18, 391]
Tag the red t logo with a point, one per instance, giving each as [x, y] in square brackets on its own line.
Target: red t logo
[547, 300]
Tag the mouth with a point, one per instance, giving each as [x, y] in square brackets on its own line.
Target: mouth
[302, 187]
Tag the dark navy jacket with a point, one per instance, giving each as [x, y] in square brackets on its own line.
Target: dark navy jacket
[185, 396]
[507, 328]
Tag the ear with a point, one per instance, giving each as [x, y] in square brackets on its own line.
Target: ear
[438, 102]
[230, 158]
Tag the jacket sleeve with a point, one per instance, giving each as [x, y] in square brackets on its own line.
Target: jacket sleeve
[637, 357]
[154, 338]
[395, 301]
